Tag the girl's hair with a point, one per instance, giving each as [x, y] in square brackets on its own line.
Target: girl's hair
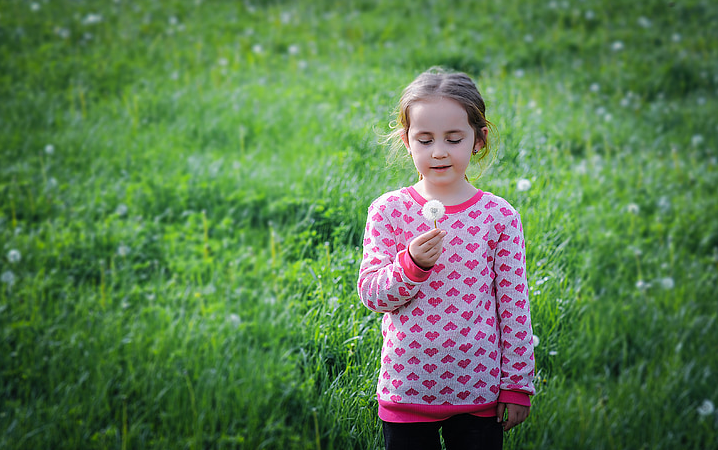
[437, 82]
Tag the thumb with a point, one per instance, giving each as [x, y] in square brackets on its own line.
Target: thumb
[500, 412]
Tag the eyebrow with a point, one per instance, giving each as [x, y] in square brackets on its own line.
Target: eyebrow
[446, 132]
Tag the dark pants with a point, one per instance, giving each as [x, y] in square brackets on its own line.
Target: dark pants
[461, 432]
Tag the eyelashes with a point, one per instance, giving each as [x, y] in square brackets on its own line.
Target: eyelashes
[450, 141]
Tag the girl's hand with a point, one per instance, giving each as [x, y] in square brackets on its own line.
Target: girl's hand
[515, 414]
[427, 248]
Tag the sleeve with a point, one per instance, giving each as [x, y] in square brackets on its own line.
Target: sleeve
[517, 360]
[388, 277]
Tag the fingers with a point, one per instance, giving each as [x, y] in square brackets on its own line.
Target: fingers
[515, 414]
[427, 248]
[500, 412]
[431, 237]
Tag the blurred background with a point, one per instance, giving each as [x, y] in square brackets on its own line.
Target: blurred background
[184, 185]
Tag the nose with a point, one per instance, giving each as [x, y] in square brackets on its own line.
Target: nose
[439, 151]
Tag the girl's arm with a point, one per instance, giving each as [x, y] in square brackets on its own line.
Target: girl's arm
[517, 362]
[388, 277]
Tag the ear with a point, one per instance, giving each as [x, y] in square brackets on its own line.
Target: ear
[405, 139]
[479, 144]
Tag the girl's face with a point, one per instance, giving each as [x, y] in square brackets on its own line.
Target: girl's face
[440, 141]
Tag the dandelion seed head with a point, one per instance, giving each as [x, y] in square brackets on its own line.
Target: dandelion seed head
[209, 289]
[234, 319]
[676, 37]
[92, 19]
[121, 209]
[433, 210]
[697, 140]
[617, 46]
[34, 6]
[14, 256]
[293, 49]
[64, 33]
[633, 208]
[8, 277]
[644, 22]
[595, 87]
[49, 149]
[706, 409]
[223, 62]
[519, 73]
[257, 49]
[553, 353]
[523, 185]
[667, 283]
[123, 250]
[535, 340]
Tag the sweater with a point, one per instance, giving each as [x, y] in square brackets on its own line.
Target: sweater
[457, 338]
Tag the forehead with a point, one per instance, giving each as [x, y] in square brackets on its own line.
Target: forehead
[437, 115]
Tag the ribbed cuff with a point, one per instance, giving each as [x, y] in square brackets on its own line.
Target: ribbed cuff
[517, 398]
[414, 272]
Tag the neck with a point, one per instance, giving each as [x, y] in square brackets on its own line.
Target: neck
[448, 195]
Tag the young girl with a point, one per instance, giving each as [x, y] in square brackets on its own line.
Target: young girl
[457, 352]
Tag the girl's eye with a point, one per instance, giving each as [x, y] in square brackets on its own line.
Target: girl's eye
[424, 142]
[454, 142]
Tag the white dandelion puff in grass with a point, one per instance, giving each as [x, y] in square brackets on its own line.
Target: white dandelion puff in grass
[121, 209]
[8, 278]
[706, 409]
[633, 208]
[617, 46]
[523, 185]
[595, 87]
[535, 340]
[697, 140]
[49, 149]
[235, 320]
[667, 283]
[92, 19]
[14, 256]
[644, 22]
[123, 250]
[433, 210]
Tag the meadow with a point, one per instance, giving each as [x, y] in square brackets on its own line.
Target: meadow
[184, 186]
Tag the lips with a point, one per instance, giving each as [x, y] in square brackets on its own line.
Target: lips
[440, 167]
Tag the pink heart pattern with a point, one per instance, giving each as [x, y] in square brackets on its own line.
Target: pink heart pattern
[461, 332]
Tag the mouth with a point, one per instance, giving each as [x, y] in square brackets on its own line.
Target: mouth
[440, 167]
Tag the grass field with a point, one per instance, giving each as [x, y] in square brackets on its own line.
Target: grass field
[184, 185]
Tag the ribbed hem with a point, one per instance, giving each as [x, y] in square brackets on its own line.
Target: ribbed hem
[411, 413]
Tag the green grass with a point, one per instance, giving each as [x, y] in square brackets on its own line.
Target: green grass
[190, 246]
